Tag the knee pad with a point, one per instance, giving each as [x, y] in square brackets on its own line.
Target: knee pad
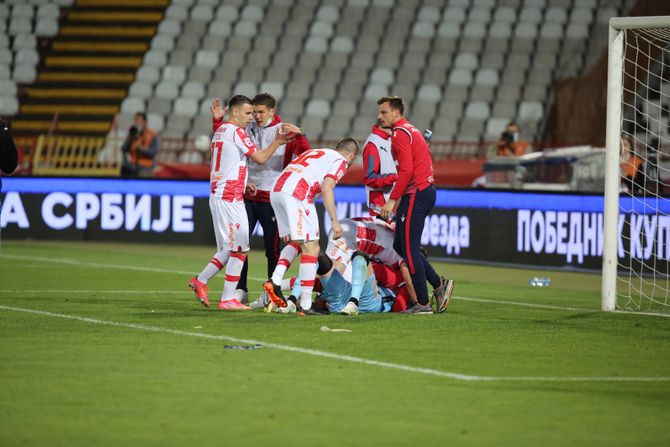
[363, 255]
[325, 264]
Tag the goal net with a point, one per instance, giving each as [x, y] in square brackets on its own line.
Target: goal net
[636, 257]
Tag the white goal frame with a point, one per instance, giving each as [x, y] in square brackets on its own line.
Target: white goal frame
[615, 68]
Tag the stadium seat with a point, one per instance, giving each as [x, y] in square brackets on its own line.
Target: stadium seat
[202, 12]
[342, 44]
[156, 122]
[375, 91]
[429, 93]
[460, 77]
[505, 14]
[167, 89]
[276, 89]
[316, 44]
[161, 106]
[221, 28]
[24, 40]
[156, 58]
[246, 88]
[169, 28]
[174, 73]
[162, 42]
[477, 110]
[207, 58]
[141, 89]
[132, 105]
[193, 89]
[229, 13]
[176, 12]
[177, 124]
[187, 107]
[466, 61]
[530, 111]
[24, 73]
[9, 105]
[46, 27]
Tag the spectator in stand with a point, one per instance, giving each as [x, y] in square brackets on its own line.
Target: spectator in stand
[413, 195]
[379, 167]
[510, 143]
[632, 168]
[262, 177]
[139, 149]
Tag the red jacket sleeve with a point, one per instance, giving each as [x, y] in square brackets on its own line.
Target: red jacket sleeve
[371, 167]
[216, 123]
[402, 148]
[296, 147]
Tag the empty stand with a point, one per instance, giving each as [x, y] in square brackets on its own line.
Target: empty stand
[464, 67]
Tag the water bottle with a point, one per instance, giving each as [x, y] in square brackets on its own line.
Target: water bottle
[538, 281]
[428, 134]
[377, 209]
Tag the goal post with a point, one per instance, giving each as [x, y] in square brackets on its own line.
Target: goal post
[636, 244]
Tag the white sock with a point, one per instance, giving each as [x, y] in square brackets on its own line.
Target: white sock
[233, 270]
[214, 266]
[308, 265]
[286, 258]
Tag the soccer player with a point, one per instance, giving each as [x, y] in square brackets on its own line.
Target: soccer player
[412, 196]
[231, 146]
[375, 238]
[292, 198]
[261, 179]
[348, 288]
[379, 168]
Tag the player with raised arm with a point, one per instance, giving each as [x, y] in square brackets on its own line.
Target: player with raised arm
[231, 146]
[315, 171]
[262, 129]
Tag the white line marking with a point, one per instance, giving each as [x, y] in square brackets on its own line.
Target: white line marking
[183, 272]
[130, 292]
[519, 303]
[346, 358]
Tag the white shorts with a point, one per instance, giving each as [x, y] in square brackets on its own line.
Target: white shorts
[295, 218]
[231, 225]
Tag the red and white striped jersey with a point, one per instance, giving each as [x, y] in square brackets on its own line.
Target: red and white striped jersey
[231, 146]
[303, 176]
[366, 235]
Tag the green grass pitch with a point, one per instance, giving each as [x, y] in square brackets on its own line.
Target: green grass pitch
[104, 345]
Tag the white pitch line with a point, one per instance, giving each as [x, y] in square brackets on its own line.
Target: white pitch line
[130, 292]
[183, 272]
[330, 355]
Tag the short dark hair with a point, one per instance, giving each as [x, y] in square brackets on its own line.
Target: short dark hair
[238, 100]
[348, 144]
[264, 99]
[514, 123]
[143, 115]
[395, 102]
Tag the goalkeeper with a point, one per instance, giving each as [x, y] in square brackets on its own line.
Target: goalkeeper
[346, 289]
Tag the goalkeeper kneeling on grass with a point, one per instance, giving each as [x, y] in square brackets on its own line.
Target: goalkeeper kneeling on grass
[346, 289]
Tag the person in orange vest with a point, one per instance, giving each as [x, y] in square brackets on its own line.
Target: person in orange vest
[510, 143]
[139, 149]
[632, 168]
